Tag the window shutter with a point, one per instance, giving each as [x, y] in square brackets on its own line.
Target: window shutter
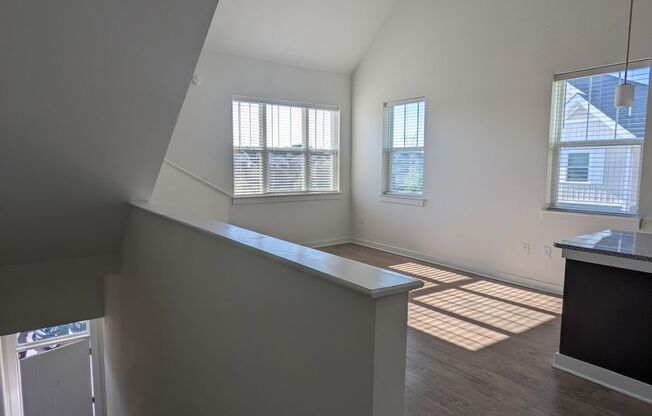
[323, 153]
[283, 148]
[403, 148]
[595, 147]
[247, 148]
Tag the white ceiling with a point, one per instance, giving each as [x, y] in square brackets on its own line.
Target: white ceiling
[90, 92]
[331, 35]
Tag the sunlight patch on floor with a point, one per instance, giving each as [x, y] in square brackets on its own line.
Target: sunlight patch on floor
[453, 330]
[525, 297]
[420, 270]
[501, 315]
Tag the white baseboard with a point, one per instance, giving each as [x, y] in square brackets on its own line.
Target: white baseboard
[504, 277]
[607, 378]
[328, 242]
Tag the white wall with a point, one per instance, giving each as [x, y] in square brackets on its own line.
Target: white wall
[50, 293]
[202, 142]
[176, 188]
[202, 324]
[485, 68]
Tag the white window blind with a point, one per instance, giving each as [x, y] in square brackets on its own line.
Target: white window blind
[596, 148]
[281, 148]
[403, 147]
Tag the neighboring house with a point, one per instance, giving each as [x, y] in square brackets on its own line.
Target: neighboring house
[605, 175]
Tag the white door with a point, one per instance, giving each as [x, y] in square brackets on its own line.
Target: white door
[58, 382]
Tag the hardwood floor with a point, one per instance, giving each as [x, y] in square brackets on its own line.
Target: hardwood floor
[478, 346]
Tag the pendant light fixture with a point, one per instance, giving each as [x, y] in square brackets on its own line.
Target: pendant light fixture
[625, 92]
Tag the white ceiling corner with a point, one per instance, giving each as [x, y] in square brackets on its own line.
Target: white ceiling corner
[331, 35]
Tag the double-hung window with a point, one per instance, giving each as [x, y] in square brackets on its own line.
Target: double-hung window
[596, 148]
[284, 148]
[403, 147]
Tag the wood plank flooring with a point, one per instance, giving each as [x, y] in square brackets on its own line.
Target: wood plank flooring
[478, 346]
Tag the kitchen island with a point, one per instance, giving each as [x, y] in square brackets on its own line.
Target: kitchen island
[606, 330]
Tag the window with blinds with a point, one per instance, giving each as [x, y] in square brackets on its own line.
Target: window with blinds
[595, 147]
[403, 147]
[282, 148]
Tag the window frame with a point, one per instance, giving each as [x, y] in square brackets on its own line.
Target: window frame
[555, 145]
[306, 151]
[386, 194]
[59, 339]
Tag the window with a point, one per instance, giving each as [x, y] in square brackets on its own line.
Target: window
[578, 167]
[52, 335]
[582, 166]
[403, 147]
[596, 148]
[41, 340]
[283, 148]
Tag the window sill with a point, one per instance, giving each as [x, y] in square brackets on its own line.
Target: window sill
[279, 198]
[416, 201]
[624, 222]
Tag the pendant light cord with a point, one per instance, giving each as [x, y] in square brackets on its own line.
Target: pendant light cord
[629, 37]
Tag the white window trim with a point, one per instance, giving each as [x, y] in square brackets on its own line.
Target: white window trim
[413, 200]
[290, 197]
[601, 69]
[554, 149]
[399, 197]
[287, 196]
[11, 383]
[624, 222]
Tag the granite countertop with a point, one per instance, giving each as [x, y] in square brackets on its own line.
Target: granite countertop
[625, 244]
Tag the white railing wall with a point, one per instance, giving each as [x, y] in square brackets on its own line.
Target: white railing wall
[208, 318]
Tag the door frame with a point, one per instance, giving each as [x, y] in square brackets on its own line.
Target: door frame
[10, 373]
[11, 384]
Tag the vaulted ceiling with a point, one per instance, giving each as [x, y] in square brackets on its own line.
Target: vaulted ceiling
[90, 92]
[330, 35]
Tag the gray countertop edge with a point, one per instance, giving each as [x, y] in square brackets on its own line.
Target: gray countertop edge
[380, 282]
[602, 251]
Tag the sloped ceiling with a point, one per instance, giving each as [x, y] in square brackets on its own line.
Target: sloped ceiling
[90, 91]
[331, 35]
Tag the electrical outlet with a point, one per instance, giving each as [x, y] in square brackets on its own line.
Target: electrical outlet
[526, 249]
[361, 221]
[547, 252]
